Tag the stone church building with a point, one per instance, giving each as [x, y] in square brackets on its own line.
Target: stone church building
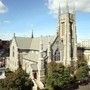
[35, 52]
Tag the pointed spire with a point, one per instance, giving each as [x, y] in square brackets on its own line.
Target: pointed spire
[74, 9]
[66, 6]
[59, 13]
[32, 35]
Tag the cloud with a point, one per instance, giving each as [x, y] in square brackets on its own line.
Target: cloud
[6, 21]
[80, 5]
[3, 8]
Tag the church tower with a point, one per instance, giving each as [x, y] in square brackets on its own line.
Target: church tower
[67, 35]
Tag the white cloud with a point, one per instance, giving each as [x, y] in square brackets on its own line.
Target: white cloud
[6, 21]
[80, 5]
[3, 8]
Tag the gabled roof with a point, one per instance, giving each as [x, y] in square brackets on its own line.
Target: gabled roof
[33, 43]
[23, 42]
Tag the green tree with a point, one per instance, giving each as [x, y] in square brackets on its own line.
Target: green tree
[82, 71]
[19, 80]
[7, 82]
[58, 76]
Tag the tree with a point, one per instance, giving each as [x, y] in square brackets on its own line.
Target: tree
[22, 79]
[58, 76]
[8, 81]
[82, 71]
[19, 80]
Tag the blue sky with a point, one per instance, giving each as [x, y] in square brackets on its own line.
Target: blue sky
[23, 16]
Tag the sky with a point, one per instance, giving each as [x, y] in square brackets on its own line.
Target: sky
[23, 16]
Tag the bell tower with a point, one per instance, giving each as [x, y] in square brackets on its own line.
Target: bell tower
[67, 34]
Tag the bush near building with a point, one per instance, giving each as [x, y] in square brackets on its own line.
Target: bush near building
[82, 72]
[18, 80]
[58, 77]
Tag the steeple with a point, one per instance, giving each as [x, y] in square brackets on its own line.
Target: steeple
[67, 34]
[66, 6]
[32, 36]
[74, 9]
[59, 13]
[75, 35]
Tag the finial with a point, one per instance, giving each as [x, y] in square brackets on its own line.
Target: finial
[32, 35]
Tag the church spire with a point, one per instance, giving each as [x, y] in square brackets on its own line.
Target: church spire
[74, 9]
[59, 13]
[32, 36]
[66, 6]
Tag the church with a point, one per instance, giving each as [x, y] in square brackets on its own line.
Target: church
[35, 52]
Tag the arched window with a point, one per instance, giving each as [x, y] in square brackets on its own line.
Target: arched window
[57, 55]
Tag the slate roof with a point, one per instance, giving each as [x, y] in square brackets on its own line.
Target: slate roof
[23, 42]
[33, 43]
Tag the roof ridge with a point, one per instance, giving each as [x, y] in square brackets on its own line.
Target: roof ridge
[22, 37]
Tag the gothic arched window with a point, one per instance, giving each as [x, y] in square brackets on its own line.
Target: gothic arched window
[57, 55]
